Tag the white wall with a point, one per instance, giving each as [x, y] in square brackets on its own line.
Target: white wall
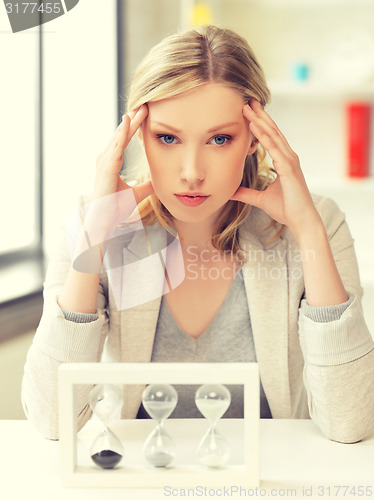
[80, 107]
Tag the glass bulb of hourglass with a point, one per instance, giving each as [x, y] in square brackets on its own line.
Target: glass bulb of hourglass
[106, 402]
[159, 400]
[213, 401]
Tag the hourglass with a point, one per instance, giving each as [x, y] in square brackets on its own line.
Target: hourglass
[159, 400]
[106, 402]
[213, 401]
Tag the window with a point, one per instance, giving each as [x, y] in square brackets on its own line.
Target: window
[20, 163]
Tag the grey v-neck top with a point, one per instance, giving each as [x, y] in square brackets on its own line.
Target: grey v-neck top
[228, 338]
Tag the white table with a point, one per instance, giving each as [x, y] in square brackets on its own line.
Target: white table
[294, 456]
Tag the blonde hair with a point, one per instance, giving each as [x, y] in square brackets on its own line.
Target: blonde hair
[184, 61]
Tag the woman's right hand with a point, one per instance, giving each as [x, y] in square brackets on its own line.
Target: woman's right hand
[109, 162]
[110, 204]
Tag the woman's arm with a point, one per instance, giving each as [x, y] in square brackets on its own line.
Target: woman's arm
[323, 284]
[288, 201]
[58, 340]
[337, 346]
[338, 354]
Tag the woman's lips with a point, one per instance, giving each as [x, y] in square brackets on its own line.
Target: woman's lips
[191, 200]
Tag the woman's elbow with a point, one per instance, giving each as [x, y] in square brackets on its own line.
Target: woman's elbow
[47, 428]
[349, 433]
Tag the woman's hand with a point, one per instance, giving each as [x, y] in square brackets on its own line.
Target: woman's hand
[287, 200]
[113, 199]
[109, 162]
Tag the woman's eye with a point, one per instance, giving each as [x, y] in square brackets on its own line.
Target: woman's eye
[221, 140]
[166, 138]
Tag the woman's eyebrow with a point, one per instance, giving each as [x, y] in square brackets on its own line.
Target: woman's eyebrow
[223, 125]
[214, 129]
[176, 130]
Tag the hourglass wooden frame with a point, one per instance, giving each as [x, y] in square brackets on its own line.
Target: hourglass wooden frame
[73, 374]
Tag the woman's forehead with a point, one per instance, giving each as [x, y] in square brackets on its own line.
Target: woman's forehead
[210, 103]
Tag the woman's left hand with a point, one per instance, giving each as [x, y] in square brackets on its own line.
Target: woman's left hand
[287, 199]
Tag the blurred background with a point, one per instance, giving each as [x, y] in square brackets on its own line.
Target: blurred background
[63, 92]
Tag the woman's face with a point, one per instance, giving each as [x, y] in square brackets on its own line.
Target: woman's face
[196, 144]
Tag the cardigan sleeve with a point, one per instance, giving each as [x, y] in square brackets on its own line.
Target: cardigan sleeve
[58, 340]
[77, 317]
[339, 354]
[324, 314]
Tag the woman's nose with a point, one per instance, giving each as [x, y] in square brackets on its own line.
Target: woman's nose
[192, 169]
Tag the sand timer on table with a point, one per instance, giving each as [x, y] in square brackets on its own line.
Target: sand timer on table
[106, 401]
[159, 400]
[213, 400]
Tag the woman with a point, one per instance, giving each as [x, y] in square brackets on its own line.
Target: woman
[269, 271]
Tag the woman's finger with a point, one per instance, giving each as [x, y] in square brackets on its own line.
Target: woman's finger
[131, 122]
[132, 113]
[255, 106]
[249, 196]
[138, 119]
[261, 113]
[267, 133]
[281, 162]
[122, 128]
[122, 137]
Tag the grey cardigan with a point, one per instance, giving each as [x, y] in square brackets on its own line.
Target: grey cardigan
[309, 369]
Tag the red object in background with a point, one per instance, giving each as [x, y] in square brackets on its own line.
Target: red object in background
[358, 116]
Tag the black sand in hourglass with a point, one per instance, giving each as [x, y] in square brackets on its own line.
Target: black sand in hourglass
[106, 459]
[106, 402]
